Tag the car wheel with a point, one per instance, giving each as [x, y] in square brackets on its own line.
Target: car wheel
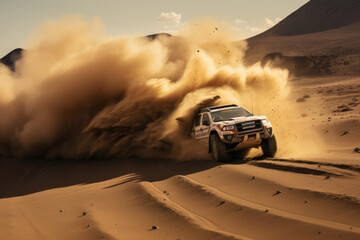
[218, 149]
[269, 147]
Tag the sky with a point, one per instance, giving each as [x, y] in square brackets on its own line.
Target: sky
[20, 18]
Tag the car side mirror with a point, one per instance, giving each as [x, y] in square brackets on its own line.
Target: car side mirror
[206, 123]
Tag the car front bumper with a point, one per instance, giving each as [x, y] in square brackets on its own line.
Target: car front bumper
[246, 139]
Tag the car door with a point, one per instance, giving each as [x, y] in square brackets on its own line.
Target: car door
[196, 127]
[205, 128]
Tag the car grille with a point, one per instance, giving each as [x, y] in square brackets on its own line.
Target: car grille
[249, 126]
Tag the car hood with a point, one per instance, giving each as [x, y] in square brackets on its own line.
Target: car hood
[243, 119]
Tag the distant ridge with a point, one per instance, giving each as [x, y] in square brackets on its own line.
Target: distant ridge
[154, 36]
[10, 59]
[317, 16]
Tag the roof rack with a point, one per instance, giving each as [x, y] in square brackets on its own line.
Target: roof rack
[217, 107]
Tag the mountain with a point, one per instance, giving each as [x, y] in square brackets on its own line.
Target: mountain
[317, 16]
[157, 35]
[322, 34]
[10, 59]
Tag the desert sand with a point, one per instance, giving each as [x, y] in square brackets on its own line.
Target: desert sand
[124, 199]
[316, 197]
[301, 195]
[312, 198]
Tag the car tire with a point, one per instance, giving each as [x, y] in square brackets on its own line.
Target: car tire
[218, 149]
[269, 147]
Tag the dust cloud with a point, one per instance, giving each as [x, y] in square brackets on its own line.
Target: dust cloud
[80, 93]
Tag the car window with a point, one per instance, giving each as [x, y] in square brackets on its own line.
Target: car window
[227, 114]
[205, 118]
[197, 120]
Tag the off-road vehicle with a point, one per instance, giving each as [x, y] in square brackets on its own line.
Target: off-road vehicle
[233, 129]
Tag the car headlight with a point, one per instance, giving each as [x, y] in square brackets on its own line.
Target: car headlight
[229, 128]
[266, 123]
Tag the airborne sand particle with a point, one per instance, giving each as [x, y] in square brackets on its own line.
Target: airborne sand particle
[78, 93]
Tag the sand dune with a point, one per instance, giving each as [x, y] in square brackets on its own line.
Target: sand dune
[124, 199]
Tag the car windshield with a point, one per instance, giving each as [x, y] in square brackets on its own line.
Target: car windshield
[227, 114]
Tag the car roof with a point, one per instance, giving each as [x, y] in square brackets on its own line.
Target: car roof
[211, 109]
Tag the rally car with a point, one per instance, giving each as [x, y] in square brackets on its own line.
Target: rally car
[230, 129]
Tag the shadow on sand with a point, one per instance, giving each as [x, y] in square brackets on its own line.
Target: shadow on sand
[25, 176]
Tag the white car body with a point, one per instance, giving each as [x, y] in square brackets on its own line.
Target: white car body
[240, 132]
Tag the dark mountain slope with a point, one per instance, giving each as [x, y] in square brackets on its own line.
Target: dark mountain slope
[317, 16]
[10, 59]
[323, 36]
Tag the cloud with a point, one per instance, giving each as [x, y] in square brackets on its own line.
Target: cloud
[270, 23]
[254, 29]
[239, 21]
[171, 17]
